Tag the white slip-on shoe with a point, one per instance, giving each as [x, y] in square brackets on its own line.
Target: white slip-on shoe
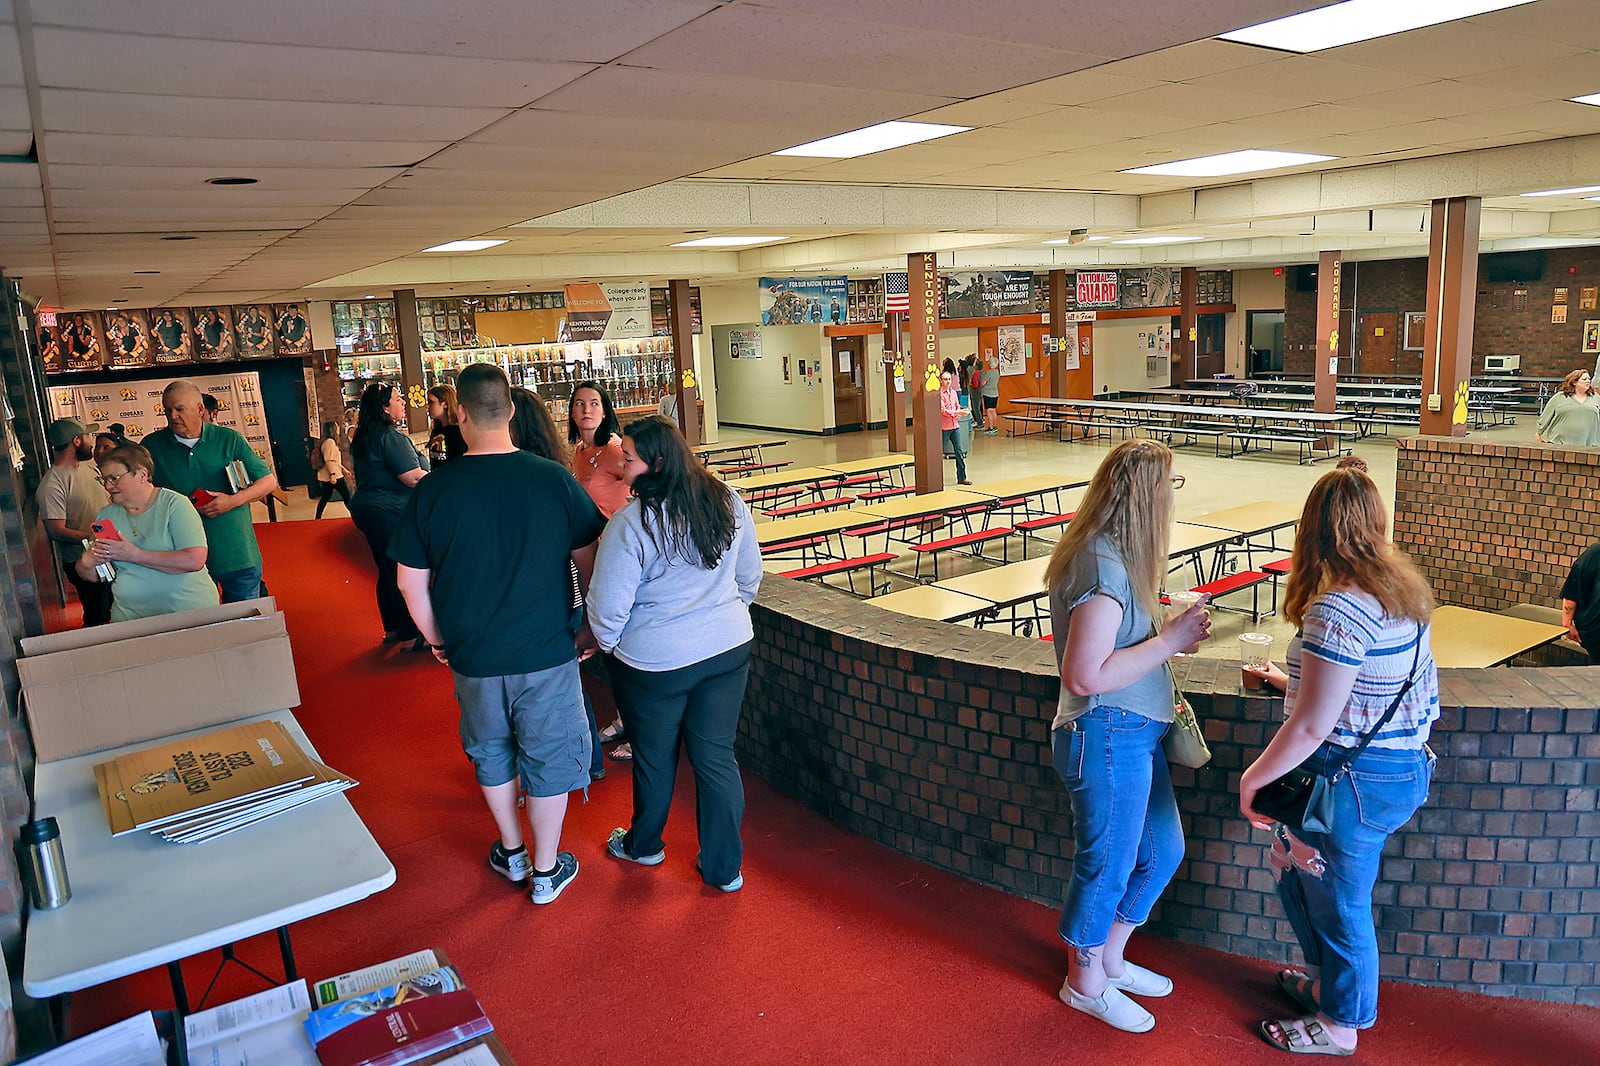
[1138, 981]
[1111, 1007]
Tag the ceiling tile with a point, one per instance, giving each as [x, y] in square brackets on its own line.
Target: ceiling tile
[184, 178]
[1450, 50]
[221, 154]
[1443, 99]
[1195, 102]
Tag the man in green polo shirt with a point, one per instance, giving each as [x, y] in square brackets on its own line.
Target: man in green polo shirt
[191, 457]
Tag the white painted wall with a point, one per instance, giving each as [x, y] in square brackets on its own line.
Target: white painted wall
[1253, 290]
[752, 392]
[1119, 361]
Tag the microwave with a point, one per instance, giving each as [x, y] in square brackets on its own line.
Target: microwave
[1502, 364]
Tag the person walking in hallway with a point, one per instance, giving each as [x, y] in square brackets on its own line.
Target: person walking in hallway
[330, 470]
[485, 550]
[950, 422]
[388, 466]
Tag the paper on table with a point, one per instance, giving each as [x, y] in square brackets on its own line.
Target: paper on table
[357, 982]
[266, 1027]
[473, 1056]
[128, 1043]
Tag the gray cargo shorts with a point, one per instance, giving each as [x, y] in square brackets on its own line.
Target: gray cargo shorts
[532, 725]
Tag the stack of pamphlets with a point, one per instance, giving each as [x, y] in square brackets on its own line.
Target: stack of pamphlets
[194, 790]
[421, 1008]
[238, 477]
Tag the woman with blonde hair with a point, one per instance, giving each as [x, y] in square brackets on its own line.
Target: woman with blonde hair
[1116, 704]
[1362, 694]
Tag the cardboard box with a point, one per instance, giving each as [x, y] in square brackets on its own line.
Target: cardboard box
[92, 689]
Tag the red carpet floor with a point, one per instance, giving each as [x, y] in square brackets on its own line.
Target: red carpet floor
[836, 949]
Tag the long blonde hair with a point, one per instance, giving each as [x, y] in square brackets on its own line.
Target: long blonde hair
[1128, 501]
[1343, 542]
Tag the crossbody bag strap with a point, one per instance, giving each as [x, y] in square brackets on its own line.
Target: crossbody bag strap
[1366, 738]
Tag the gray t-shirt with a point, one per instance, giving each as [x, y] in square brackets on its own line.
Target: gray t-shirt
[1099, 571]
[989, 380]
[73, 495]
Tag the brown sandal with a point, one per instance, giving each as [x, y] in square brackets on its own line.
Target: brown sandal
[1313, 1041]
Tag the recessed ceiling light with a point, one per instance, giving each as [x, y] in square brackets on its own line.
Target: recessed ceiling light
[726, 242]
[514, 292]
[1574, 191]
[1359, 20]
[1592, 98]
[1076, 240]
[870, 139]
[180, 238]
[1247, 161]
[464, 246]
[369, 296]
[1159, 240]
[231, 181]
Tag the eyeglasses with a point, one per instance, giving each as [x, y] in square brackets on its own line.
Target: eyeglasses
[109, 480]
[1177, 481]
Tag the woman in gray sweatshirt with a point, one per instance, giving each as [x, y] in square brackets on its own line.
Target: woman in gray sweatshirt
[677, 569]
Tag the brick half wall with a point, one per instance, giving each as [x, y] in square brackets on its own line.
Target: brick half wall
[934, 740]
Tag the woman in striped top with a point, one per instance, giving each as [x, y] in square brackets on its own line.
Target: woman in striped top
[1362, 610]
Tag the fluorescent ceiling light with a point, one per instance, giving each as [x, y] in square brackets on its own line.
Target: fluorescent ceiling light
[464, 246]
[1159, 240]
[1565, 192]
[879, 138]
[1247, 161]
[1075, 240]
[726, 242]
[1592, 98]
[1592, 197]
[1359, 20]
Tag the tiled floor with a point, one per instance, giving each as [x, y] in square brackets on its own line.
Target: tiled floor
[1212, 484]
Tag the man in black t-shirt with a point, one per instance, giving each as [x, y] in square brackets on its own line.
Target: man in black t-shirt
[1580, 603]
[485, 548]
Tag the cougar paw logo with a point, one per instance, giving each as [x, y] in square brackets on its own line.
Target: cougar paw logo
[417, 396]
[1333, 343]
[931, 381]
[1458, 412]
[97, 415]
[688, 377]
[133, 429]
[128, 394]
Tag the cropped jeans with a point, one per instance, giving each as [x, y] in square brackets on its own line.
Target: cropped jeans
[1331, 910]
[1125, 828]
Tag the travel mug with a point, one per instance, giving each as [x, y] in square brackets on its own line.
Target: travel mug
[44, 867]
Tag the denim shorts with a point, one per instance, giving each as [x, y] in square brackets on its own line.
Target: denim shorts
[532, 725]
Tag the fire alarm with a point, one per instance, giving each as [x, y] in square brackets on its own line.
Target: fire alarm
[1572, 270]
[1277, 272]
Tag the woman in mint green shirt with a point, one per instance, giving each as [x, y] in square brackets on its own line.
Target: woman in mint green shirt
[152, 537]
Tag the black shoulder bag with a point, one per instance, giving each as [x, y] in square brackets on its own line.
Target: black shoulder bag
[1302, 799]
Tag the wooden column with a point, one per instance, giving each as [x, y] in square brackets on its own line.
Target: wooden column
[894, 371]
[682, 319]
[922, 368]
[1058, 328]
[1452, 300]
[1186, 345]
[1325, 361]
[412, 382]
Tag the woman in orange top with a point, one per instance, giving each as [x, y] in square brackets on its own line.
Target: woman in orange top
[596, 438]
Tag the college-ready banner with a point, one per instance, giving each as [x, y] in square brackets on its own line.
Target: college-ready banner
[802, 301]
[608, 311]
[137, 406]
[988, 293]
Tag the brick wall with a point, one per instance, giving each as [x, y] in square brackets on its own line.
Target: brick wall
[1493, 525]
[934, 740]
[1547, 349]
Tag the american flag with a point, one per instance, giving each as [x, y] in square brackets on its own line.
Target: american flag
[896, 292]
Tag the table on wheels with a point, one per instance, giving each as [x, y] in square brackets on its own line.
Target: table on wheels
[139, 902]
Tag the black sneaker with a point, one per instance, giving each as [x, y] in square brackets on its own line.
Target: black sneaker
[514, 866]
[546, 889]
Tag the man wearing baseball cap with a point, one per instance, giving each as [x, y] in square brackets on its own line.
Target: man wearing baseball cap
[69, 497]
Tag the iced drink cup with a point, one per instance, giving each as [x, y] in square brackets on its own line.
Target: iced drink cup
[1255, 653]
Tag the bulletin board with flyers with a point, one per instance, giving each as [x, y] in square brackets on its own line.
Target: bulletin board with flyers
[136, 405]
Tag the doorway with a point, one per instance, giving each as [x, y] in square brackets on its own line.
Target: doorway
[849, 390]
[1264, 343]
[1378, 349]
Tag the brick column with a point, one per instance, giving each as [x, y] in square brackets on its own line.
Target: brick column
[922, 367]
[1452, 301]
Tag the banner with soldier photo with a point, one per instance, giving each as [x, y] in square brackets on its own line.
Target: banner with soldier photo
[136, 406]
[822, 301]
[988, 293]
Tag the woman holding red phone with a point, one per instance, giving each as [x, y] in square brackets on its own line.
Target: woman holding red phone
[152, 538]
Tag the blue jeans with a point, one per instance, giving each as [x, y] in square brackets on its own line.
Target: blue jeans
[1125, 828]
[952, 440]
[1332, 912]
[239, 585]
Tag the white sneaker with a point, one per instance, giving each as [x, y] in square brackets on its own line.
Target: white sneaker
[1111, 1007]
[1138, 981]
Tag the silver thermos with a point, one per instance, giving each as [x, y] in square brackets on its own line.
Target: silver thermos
[44, 865]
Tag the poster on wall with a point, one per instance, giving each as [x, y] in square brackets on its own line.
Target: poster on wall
[988, 293]
[1096, 288]
[252, 332]
[294, 332]
[1416, 330]
[800, 301]
[213, 334]
[1591, 336]
[136, 406]
[1071, 359]
[1013, 351]
[50, 342]
[746, 344]
[128, 338]
[82, 344]
[608, 311]
[1148, 287]
[170, 335]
